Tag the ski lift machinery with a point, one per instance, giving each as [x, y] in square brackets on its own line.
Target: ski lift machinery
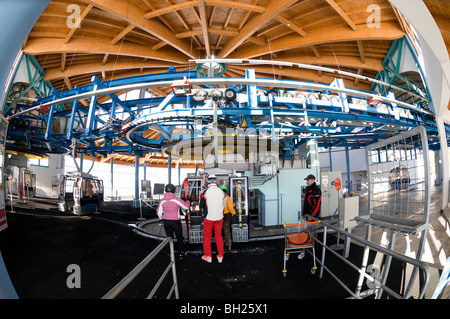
[238, 190]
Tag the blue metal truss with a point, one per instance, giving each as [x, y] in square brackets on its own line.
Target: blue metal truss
[410, 82]
[329, 116]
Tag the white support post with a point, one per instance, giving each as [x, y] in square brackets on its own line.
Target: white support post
[444, 163]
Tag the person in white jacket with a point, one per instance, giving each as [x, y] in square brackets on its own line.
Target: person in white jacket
[212, 202]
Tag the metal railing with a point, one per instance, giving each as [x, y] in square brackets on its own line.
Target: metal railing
[444, 281]
[129, 278]
[378, 280]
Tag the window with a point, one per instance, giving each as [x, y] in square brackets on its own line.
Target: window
[39, 162]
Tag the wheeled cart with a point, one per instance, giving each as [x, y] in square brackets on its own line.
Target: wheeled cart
[299, 237]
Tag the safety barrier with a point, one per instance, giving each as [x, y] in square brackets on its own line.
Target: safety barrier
[128, 278]
[376, 277]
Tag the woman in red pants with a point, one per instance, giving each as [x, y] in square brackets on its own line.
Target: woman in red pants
[212, 202]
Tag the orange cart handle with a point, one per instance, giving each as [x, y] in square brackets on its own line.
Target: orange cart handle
[305, 223]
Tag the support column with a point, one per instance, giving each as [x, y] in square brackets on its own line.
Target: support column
[347, 161]
[81, 162]
[436, 58]
[112, 177]
[136, 181]
[179, 172]
[169, 170]
[215, 136]
[331, 159]
[438, 168]
[444, 162]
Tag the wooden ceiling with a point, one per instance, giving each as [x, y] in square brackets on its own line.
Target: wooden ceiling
[121, 38]
[440, 10]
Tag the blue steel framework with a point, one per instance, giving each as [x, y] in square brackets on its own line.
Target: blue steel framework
[411, 82]
[297, 111]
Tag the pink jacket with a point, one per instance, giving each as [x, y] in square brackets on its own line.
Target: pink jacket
[169, 207]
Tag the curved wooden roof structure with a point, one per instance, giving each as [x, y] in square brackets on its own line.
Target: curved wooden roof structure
[121, 38]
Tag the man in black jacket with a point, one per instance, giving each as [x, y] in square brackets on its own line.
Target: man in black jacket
[312, 199]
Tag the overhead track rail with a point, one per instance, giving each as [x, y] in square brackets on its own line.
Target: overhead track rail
[389, 86]
[233, 81]
[292, 110]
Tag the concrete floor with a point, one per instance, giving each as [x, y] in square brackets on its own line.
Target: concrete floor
[435, 254]
[436, 251]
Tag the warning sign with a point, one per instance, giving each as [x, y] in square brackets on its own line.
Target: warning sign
[337, 184]
[2, 219]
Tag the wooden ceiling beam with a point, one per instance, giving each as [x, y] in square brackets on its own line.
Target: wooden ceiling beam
[107, 158]
[342, 14]
[100, 46]
[291, 25]
[183, 22]
[126, 11]
[192, 4]
[257, 40]
[68, 83]
[204, 24]
[63, 61]
[244, 20]
[158, 46]
[187, 34]
[122, 63]
[166, 23]
[361, 51]
[69, 86]
[273, 9]
[235, 5]
[360, 71]
[158, 91]
[331, 60]
[388, 31]
[225, 24]
[211, 16]
[105, 57]
[82, 16]
[170, 8]
[315, 51]
[122, 34]
[305, 75]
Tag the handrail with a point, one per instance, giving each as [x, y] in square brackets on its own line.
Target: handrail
[117, 289]
[299, 224]
[444, 281]
[229, 81]
[362, 270]
[310, 67]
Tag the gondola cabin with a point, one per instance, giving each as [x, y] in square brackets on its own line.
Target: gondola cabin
[80, 193]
